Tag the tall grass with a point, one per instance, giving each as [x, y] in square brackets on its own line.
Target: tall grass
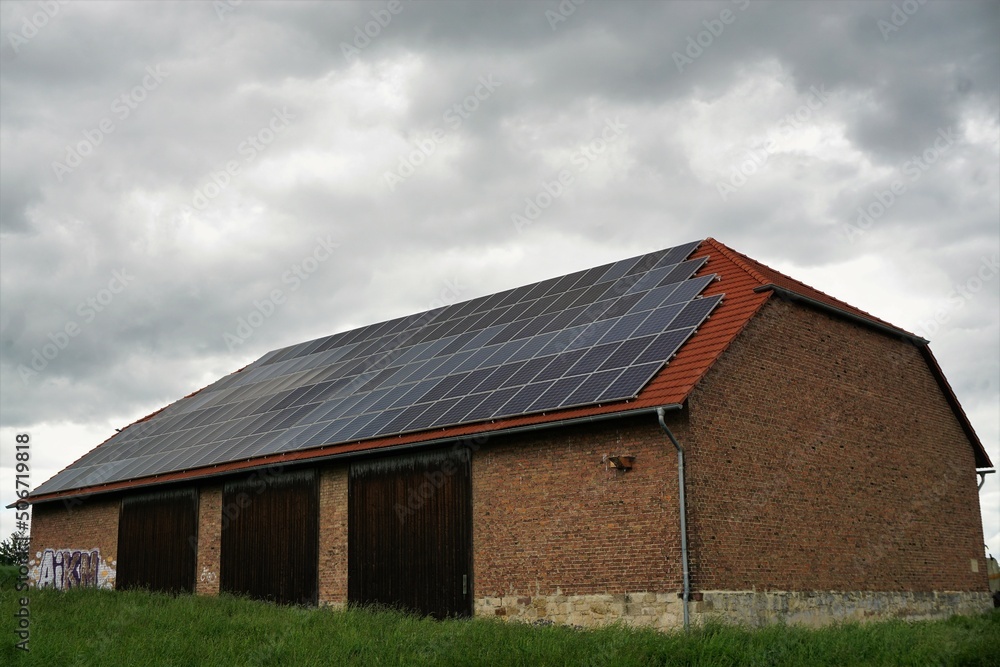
[92, 627]
[8, 576]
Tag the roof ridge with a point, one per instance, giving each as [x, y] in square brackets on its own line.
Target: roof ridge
[737, 259]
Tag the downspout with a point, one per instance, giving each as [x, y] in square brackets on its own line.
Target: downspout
[660, 412]
[982, 477]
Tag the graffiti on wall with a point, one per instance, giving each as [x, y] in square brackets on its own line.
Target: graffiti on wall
[63, 569]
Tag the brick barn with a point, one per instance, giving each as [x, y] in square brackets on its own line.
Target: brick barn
[518, 455]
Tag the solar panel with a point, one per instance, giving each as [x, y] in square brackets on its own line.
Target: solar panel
[556, 393]
[592, 387]
[596, 335]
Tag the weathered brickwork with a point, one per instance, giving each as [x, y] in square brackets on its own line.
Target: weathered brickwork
[83, 524]
[552, 517]
[823, 456]
[333, 536]
[209, 539]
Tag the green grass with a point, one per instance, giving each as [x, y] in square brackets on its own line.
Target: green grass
[91, 627]
[8, 576]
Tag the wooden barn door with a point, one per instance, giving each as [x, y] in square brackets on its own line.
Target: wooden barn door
[410, 533]
[270, 537]
[158, 541]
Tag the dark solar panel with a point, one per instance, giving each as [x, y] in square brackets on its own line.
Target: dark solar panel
[688, 290]
[556, 393]
[433, 412]
[626, 353]
[695, 312]
[468, 385]
[493, 402]
[658, 320]
[624, 326]
[523, 399]
[592, 336]
[458, 411]
[553, 367]
[619, 269]
[357, 426]
[500, 375]
[592, 358]
[591, 388]
[664, 346]
[631, 377]
[528, 371]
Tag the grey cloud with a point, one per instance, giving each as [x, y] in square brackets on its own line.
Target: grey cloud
[130, 201]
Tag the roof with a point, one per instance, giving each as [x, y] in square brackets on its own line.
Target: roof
[643, 341]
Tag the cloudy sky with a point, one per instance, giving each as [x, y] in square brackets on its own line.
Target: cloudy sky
[184, 187]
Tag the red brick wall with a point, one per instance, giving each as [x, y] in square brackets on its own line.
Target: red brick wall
[823, 456]
[75, 525]
[333, 535]
[550, 514]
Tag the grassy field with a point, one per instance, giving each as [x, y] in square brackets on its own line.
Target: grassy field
[90, 627]
[8, 573]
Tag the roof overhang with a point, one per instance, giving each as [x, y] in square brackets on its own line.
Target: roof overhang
[471, 440]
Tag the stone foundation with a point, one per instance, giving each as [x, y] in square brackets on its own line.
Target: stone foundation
[664, 611]
[653, 610]
[818, 608]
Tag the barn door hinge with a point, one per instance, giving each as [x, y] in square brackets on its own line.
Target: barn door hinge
[465, 584]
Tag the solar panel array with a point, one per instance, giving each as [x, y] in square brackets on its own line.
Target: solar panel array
[593, 336]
